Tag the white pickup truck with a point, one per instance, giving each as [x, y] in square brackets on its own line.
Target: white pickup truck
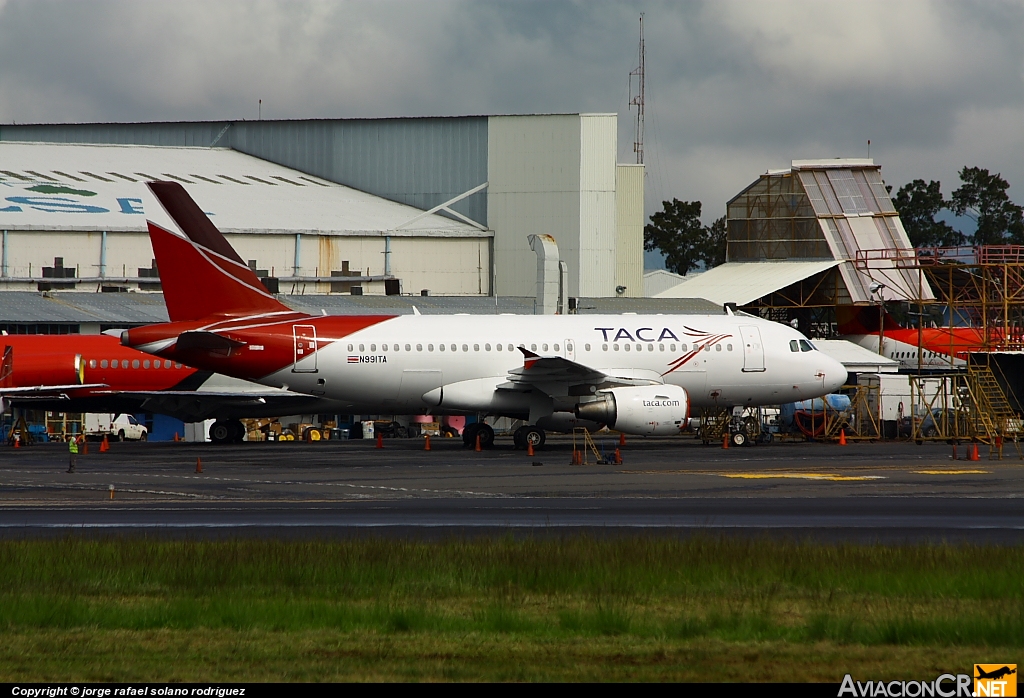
[122, 427]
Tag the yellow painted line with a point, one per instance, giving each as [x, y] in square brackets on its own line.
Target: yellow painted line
[800, 476]
[952, 472]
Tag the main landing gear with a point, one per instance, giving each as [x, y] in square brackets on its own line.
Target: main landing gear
[527, 436]
[485, 432]
[227, 431]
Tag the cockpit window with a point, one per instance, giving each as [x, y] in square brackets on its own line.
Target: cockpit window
[794, 345]
[805, 345]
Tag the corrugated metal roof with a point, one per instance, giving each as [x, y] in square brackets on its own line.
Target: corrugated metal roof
[743, 282]
[145, 308]
[101, 187]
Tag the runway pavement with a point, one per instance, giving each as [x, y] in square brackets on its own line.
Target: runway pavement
[864, 491]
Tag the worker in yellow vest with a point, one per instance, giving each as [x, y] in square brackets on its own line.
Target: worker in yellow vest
[72, 453]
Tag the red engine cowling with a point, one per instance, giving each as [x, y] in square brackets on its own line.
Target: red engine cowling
[660, 410]
[46, 369]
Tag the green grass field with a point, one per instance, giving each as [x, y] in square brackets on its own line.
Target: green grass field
[576, 608]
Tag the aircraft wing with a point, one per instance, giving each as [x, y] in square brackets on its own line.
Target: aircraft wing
[47, 390]
[556, 375]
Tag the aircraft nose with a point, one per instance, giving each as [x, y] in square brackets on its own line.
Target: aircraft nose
[835, 374]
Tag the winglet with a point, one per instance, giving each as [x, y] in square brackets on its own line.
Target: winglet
[529, 358]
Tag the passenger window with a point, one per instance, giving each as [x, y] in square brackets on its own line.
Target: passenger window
[672, 347]
[555, 347]
[135, 363]
[586, 347]
[487, 347]
[92, 363]
[707, 347]
[408, 347]
[794, 345]
[625, 347]
[661, 347]
[419, 347]
[103, 363]
[718, 347]
[604, 347]
[362, 347]
[383, 347]
[650, 347]
[615, 347]
[511, 348]
[440, 347]
[350, 347]
[430, 347]
[639, 347]
[476, 347]
[544, 347]
[728, 347]
[465, 347]
[498, 347]
[167, 363]
[145, 364]
[454, 348]
[533, 347]
[373, 347]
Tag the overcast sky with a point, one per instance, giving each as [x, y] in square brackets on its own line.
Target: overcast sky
[733, 88]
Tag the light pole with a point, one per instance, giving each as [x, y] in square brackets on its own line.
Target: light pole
[876, 290]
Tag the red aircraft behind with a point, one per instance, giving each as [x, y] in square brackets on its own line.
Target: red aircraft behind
[95, 373]
[940, 346]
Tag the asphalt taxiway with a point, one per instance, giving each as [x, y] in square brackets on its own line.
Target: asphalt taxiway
[864, 491]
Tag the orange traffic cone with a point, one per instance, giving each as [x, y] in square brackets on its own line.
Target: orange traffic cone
[85, 447]
[380, 440]
[199, 465]
[426, 443]
[176, 437]
[104, 445]
[725, 440]
[618, 457]
[954, 451]
[974, 452]
[17, 439]
[842, 437]
[622, 438]
[476, 447]
[529, 449]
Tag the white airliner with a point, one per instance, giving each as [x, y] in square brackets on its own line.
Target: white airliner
[640, 374]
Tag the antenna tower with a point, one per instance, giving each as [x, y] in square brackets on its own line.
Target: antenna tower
[636, 98]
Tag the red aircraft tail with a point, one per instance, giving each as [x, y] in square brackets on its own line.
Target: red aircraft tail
[202, 275]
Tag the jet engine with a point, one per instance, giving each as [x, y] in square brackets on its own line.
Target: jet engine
[46, 369]
[656, 410]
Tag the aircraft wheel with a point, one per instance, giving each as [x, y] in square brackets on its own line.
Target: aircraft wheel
[486, 436]
[739, 439]
[469, 434]
[518, 440]
[534, 436]
[220, 432]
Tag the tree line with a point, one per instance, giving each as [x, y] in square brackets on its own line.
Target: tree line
[677, 232]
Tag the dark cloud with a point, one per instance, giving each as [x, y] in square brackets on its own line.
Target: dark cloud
[734, 88]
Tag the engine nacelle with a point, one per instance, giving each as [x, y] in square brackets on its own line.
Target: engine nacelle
[655, 410]
[46, 369]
